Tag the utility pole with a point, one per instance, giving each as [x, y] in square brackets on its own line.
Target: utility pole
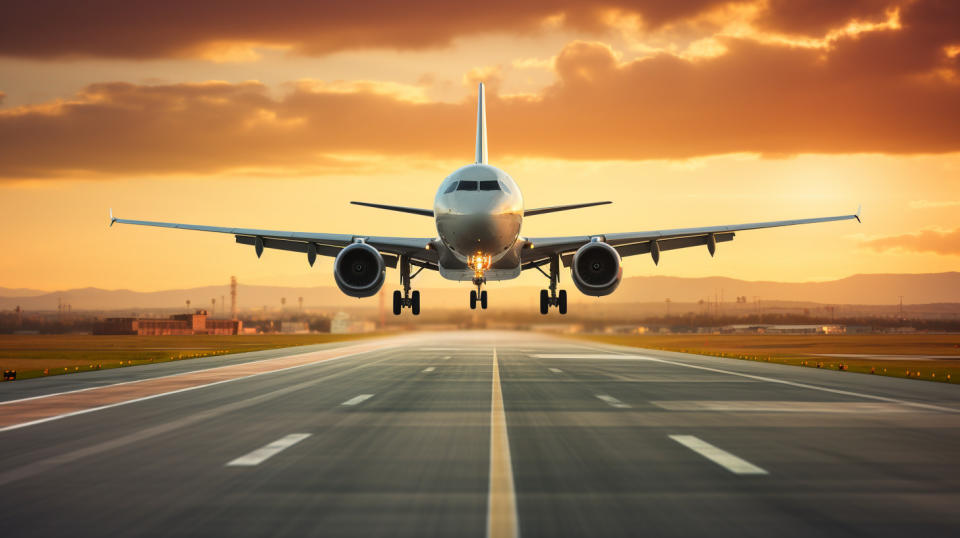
[900, 309]
[668, 306]
[300, 300]
[188, 306]
[213, 306]
[233, 297]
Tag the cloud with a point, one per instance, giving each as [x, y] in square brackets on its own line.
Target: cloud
[225, 29]
[755, 98]
[946, 242]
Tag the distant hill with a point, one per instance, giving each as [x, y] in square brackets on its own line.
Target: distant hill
[871, 289]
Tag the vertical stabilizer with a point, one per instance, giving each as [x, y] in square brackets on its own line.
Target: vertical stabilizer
[481, 126]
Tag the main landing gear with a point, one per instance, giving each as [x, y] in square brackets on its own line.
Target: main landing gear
[406, 299]
[550, 297]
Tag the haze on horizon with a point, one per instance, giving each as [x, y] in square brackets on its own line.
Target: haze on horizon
[275, 116]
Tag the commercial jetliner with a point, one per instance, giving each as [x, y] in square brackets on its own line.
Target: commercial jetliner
[478, 212]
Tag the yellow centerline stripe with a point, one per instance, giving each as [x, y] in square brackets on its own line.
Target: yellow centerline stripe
[502, 502]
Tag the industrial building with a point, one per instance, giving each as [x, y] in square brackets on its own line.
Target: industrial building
[180, 324]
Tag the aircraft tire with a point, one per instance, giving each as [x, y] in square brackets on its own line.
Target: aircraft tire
[562, 307]
[415, 303]
[483, 299]
[544, 302]
[473, 299]
[396, 302]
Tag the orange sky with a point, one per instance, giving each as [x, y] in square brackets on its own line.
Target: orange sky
[683, 113]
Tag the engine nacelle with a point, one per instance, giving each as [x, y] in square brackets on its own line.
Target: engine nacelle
[596, 269]
[359, 270]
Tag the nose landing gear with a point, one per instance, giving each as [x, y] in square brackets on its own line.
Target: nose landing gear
[476, 296]
[550, 297]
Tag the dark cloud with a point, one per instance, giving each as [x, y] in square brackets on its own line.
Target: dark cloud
[817, 17]
[767, 99]
[926, 241]
[121, 28]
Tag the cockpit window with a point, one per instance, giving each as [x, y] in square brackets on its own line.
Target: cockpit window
[503, 186]
[467, 186]
[493, 185]
[451, 188]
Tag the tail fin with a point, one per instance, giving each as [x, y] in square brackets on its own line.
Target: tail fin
[481, 126]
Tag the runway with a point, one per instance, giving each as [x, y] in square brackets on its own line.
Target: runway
[478, 434]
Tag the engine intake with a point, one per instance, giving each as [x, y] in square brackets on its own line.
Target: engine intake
[596, 269]
[359, 270]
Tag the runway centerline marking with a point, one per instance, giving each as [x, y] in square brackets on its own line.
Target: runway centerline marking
[612, 402]
[264, 453]
[502, 498]
[717, 455]
[555, 370]
[428, 369]
[358, 399]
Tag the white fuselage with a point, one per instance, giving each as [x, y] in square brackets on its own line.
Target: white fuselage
[479, 211]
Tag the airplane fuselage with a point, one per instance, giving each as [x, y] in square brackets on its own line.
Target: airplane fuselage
[479, 212]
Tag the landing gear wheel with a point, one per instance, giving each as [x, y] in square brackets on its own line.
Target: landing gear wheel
[544, 302]
[483, 299]
[397, 302]
[562, 302]
[473, 299]
[415, 303]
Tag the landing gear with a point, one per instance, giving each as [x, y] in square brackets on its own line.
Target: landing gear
[476, 296]
[550, 297]
[406, 299]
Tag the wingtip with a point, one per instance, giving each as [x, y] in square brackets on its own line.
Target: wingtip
[859, 211]
[112, 218]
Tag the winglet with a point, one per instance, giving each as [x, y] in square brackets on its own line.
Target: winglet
[857, 215]
[112, 218]
[481, 126]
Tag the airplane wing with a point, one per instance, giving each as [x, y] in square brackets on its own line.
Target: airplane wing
[555, 208]
[540, 249]
[419, 250]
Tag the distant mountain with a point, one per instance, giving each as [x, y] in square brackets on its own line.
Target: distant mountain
[20, 292]
[871, 289]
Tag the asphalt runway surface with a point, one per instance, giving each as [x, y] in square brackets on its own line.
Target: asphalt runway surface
[478, 434]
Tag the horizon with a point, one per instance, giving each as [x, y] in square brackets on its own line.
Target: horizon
[448, 285]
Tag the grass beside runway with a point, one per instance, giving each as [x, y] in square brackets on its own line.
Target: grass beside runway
[812, 351]
[45, 355]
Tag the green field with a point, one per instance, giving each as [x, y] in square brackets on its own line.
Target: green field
[813, 351]
[40, 355]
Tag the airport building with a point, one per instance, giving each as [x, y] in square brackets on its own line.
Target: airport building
[180, 324]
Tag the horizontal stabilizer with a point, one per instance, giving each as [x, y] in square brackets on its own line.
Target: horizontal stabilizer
[402, 209]
[554, 208]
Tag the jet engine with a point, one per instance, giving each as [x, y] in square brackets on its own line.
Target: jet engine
[596, 269]
[359, 270]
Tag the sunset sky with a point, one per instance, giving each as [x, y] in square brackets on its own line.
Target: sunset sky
[277, 114]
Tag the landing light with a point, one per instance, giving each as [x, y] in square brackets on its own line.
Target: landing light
[479, 262]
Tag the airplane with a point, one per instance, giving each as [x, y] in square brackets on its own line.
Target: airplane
[478, 212]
